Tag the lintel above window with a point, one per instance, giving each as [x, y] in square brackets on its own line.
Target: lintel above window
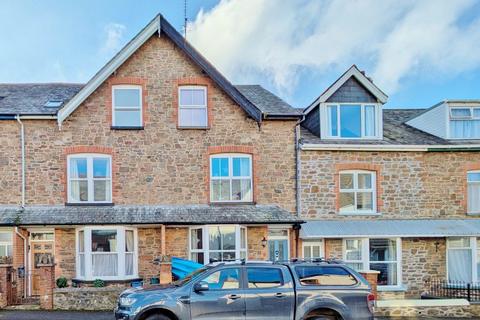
[351, 121]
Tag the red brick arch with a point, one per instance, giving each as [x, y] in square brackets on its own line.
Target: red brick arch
[359, 166]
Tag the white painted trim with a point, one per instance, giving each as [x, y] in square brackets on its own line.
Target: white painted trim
[378, 147]
[114, 108]
[473, 251]
[90, 179]
[311, 243]
[198, 107]
[355, 190]
[230, 177]
[108, 69]
[120, 253]
[353, 71]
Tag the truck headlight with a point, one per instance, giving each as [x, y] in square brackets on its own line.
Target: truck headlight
[127, 301]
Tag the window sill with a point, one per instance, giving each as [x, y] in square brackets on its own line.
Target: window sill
[359, 213]
[249, 203]
[126, 128]
[399, 288]
[192, 128]
[89, 204]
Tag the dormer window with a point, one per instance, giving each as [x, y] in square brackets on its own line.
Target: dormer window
[351, 121]
[465, 122]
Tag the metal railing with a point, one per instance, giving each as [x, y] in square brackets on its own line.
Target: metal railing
[449, 289]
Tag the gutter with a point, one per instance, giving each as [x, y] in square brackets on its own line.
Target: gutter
[28, 117]
[376, 147]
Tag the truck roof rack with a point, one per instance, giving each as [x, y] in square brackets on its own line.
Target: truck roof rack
[310, 260]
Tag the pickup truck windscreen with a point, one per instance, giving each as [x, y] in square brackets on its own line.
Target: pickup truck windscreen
[324, 276]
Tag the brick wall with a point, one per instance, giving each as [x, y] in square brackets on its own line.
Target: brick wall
[411, 184]
[160, 164]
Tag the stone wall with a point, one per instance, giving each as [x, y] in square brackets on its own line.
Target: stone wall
[86, 298]
[177, 242]
[160, 164]
[414, 309]
[334, 249]
[254, 243]
[413, 185]
[149, 248]
[65, 251]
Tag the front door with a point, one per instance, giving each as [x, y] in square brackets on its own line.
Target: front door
[41, 252]
[224, 300]
[278, 249]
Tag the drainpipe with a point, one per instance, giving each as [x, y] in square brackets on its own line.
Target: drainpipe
[25, 244]
[298, 176]
[22, 141]
[24, 261]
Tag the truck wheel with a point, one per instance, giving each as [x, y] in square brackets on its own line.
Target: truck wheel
[322, 317]
[157, 316]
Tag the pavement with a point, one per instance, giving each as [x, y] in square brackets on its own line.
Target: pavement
[54, 315]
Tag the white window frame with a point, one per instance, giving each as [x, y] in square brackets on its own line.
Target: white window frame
[7, 243]
[188, 107]
[115, 108]
[473, 251]
[365, 259]
[206, 243]
[356, 190]
[468, 195]
[230, 177]
[121, 253]
[90, 179]
[325, 131]
[314, 243]
[450, 118]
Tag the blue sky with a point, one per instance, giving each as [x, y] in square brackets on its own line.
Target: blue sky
[418, 52]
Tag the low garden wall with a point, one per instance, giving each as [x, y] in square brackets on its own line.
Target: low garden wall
[87, 298]
[448, 308]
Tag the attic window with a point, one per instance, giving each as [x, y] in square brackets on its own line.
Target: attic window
[53, 103]
[465, 122]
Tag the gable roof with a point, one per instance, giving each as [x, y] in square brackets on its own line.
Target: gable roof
[353, 71]
[271, 105]
[159, 25]
[30, 98]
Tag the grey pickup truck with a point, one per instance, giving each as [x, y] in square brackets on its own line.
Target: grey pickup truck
[255, 290]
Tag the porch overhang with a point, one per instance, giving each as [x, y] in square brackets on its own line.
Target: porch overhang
[145, 215]
[413, 228]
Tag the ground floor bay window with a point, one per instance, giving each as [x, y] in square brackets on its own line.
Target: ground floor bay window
[108, 253]
[380, 254]
[218, 243]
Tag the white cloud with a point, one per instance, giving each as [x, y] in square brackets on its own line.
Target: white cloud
[389, 38]
[113, 33]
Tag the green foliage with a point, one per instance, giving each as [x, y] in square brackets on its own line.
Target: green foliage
[98, 283]
[62, 282]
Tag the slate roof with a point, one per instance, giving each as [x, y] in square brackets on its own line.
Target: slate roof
[389, 228]
[267, 102]
[30, 98]
[395, 132]
[174, 214]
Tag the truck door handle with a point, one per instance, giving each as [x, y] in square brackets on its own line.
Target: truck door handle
[280, 295]
[234, 297]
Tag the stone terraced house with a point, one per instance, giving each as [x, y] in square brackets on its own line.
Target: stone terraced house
[157, 155]
[392, 190]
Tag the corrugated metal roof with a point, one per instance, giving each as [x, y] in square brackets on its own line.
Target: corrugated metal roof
[399, 228]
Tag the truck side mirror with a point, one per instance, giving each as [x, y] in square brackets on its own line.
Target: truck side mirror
[200, 286]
